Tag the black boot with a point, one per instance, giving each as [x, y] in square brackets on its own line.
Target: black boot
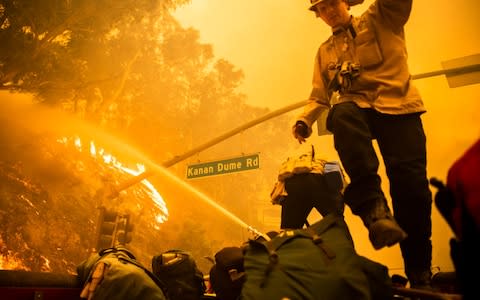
[383, 230]
[420, 279]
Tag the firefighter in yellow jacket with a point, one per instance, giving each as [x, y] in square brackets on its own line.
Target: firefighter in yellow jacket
[306, 181]
[361, 80]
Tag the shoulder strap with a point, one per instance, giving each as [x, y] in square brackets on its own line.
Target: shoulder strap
[317, 240]
[271, 247]
[313, 233]
[324, 224]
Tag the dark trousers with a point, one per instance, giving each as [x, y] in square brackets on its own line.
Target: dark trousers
[401, 140]
[309, 190]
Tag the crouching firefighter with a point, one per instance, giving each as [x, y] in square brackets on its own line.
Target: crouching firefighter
[115, 274]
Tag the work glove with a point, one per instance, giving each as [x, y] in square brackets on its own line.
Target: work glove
[300, 131]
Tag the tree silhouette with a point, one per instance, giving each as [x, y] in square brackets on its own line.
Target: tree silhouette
[131, 68]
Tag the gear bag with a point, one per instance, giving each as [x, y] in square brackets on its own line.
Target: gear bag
[115, 274]
[178, 270]
[318, 262]
[227, 275]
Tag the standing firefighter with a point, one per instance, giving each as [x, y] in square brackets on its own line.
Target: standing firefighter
[363, 69]
[307, 181]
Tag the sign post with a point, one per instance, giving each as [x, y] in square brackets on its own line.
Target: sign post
[459, 71]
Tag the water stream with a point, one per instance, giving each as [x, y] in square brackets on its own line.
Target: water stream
[159, 169]
[46, 121]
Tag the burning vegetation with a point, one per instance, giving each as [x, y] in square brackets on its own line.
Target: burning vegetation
[49, 200]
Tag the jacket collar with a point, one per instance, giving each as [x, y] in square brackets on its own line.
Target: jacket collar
[349, 29]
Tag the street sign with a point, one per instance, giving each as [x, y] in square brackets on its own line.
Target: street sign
[220, 167]
[470, 74]
[459, 71]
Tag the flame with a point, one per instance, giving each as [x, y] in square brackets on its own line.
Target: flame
[10, 262]
[46, 266]
[156, 197]
[110, 160]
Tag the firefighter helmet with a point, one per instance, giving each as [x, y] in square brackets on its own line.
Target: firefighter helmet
[313, 3]
[349, 2]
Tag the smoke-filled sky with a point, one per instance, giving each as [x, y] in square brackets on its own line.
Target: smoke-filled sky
[274, 42]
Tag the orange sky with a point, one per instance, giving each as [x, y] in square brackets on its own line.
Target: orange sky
[274, 43]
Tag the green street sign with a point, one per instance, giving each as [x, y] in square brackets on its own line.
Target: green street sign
[459, 71]
[220, 167]
[468, 70]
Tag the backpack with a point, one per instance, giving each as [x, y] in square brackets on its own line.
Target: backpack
[458, 201]
[227, 275]
[317, 262]
[178, 270]
[115, 274]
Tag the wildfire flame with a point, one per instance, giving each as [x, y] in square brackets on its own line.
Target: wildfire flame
[10, 262]
[110, 160]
